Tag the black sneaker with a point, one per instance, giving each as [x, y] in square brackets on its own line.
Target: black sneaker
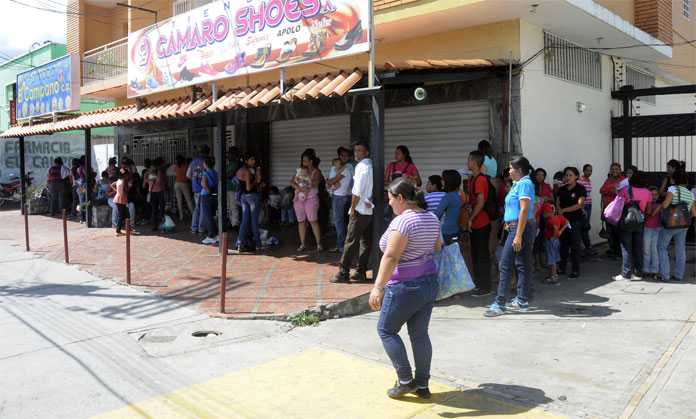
[551, 280]
[400, 390]
[480, 293]
[359, 277]
[573, 275]
[423, 393]
[340, 278]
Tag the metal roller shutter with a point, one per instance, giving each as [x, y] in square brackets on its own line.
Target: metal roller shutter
[438, 137]
[290, 138]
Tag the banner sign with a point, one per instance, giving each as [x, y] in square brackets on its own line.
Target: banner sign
[228, 38]
[13, 112]
[51, 87]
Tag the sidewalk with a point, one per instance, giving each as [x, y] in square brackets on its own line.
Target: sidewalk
[270, 283]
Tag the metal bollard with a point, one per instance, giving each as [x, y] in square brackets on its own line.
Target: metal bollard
[65, 236]
[223, 274]
[128, 253]
[26, 225]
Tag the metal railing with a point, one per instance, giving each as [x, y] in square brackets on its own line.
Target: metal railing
[105, 62]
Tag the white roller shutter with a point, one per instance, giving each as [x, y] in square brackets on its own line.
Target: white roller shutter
[290, 138]
[438, 137]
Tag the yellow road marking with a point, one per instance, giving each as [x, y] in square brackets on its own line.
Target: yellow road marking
[316, 383]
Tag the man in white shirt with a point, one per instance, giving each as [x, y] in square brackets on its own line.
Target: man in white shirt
[359, 235]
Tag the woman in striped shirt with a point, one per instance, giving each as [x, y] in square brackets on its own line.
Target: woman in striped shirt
[675, 194]
[584, 180]
[406, 285]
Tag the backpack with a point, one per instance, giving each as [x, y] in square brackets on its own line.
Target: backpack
[288, 195]
[632, 216]
[392, 172]
[463, 220]
[492, 205]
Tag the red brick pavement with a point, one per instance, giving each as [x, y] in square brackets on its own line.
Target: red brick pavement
[178, 266]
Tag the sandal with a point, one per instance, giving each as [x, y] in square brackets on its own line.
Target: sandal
[302, 248]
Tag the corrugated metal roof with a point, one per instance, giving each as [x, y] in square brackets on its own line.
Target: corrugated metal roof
[315, 87]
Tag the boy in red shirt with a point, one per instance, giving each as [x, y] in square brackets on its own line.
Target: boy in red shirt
[555, 225]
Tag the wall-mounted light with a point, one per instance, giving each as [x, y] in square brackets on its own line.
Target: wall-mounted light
[580, 106]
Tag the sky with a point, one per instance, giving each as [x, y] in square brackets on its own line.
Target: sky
[22, 25]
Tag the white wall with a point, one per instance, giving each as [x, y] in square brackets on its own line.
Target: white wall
[554, 134]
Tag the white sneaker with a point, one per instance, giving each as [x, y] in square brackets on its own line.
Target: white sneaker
[207, 240]
[620, 278]
[214, 240]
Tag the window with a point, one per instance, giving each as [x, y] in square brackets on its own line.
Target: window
[687, 9]
[640, 80]
[183, 6]
[568, 61]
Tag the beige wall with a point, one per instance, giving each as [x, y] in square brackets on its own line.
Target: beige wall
[98, 26]
[623, 8]
[683, 55]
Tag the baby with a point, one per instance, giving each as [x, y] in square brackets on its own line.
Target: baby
[336, 170]
[303, 181]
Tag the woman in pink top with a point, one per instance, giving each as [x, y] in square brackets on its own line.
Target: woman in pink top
[402, 167]
[609, 190]
[632, 238]
[309, 208]
[121, 200]
[154, 179]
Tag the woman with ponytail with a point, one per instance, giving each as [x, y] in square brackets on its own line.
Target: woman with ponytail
[406, 285]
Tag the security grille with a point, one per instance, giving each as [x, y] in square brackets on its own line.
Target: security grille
[687, 9]
[571, 62]
[183, 6]
[640, 80]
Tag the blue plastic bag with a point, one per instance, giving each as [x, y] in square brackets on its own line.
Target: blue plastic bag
[452, 273]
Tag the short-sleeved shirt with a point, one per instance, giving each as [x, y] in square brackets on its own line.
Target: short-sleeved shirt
[432, 200]
[196, 170]
[588, 188]
[181, 173]
[654, 221]
[568, 198]
[479, 186]
[396, 171]
[491, 166]
[558, 221]
[524, 189]
[231, 187]
[422, 229]
[212, 180]
[641, 195]
[450, 205]
[121, 197]
[681, 195]
[545, 191]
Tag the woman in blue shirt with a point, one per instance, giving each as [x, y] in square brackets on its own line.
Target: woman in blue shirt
[520, 230]
[209, 181]
[450, 205]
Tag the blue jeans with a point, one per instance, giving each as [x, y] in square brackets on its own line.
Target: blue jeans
[339, 212]
[250, 215]
[586, 226]
[288, 215]
[651, 259]
[632, 249]
[409, 302]
[207, 211]
[679, 235]
[157, 206]
[82, 198]
[522, 261]
[198, 219]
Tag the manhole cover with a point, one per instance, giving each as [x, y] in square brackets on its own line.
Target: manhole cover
[643, 288]
[205, 334]
[158, 339]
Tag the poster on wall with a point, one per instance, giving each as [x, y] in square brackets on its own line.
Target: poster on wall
[49, 88]
[228, 38]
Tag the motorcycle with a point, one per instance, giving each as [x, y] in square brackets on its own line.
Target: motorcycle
[10, 189]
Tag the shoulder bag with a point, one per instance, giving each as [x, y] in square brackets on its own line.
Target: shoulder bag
[676, 215]
[632, 216]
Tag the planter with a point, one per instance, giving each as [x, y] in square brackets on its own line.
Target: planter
[101, 216]
[37, 206]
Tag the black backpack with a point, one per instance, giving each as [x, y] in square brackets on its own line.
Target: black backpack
[491, 206]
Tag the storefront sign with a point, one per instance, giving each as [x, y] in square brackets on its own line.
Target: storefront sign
[228, 38]
[13, 112]
[49, 88]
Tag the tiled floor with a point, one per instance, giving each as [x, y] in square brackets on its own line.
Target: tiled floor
[178, 266]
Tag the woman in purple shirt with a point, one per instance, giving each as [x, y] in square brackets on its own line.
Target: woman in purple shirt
[406, 285]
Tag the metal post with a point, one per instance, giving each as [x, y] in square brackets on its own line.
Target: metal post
[88, 171]
[371, 64]
[65, 235]
[215, 90]
[223, 273]
[282, 81]
[22, 173]
[628, 134]
[26, 225]
[377, 156]
[222, 176]
[128, 253]
[509, 124]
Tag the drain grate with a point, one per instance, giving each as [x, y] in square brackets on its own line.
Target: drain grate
[158, 339]
[205, 334]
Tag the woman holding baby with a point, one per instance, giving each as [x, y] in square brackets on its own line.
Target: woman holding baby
[306, 203]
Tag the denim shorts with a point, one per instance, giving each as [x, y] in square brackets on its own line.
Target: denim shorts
[553, 252]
